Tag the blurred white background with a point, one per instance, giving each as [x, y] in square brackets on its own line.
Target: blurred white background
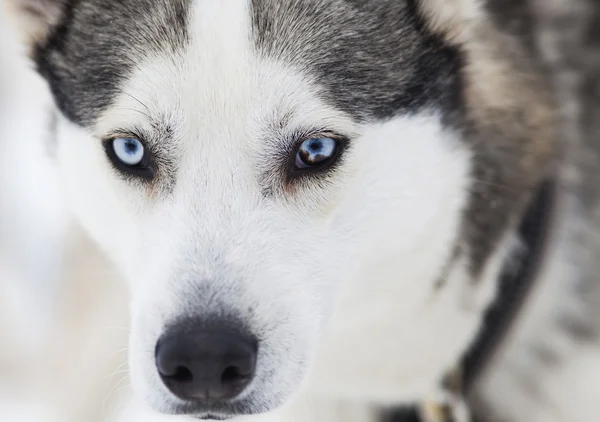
[61, 358]
[31, 214]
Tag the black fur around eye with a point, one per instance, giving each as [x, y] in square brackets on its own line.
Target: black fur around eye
[130, 157]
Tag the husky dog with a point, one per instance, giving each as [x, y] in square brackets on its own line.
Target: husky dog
[326, 210]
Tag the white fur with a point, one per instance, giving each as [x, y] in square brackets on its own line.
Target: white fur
[341, 274]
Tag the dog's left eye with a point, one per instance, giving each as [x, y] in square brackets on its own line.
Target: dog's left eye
[129, 151]
[316, 152]
[129, 155]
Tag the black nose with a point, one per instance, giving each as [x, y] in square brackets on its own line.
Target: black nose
[208, 363]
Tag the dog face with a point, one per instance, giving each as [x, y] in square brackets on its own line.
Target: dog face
[246, 165]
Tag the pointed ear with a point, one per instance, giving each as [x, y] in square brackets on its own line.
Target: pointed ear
[452, 19]
[34, 19]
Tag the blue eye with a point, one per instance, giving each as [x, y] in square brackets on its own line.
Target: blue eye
[315, 152]
[129, 156]
[129, 151]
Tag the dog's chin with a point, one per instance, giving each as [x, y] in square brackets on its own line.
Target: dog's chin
[218, 416]
[222, 412]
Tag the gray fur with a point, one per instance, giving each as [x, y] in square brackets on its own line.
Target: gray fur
[376, 60]
[373, 60]
[565, 34]
[513, 145]
[97, 43]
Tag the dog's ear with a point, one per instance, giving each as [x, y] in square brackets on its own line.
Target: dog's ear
[451, 18]
[34, 19]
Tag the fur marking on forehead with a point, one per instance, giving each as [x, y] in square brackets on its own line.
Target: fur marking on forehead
[374, 60]
[95, 46]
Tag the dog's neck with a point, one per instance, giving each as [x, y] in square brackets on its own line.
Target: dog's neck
[516, 281]
[515, 284]
[419, 346]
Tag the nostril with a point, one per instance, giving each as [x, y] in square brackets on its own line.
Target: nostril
[233, 375]
[182, 374]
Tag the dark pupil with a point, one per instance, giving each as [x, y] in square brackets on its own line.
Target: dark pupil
[131, 147]
[315, 146]
[314, 152]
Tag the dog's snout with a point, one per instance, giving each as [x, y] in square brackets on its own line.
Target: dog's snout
[210, 364]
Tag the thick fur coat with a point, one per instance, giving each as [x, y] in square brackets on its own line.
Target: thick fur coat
[364, 281]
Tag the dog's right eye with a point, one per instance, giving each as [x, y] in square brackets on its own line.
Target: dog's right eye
[130, 156]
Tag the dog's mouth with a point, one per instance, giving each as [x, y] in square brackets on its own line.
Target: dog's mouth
[223, 412]
[211, 417]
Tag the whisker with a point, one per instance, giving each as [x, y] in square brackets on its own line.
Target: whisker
[125, 349]
[108, 384]
[123, 371]
[138, 101]
[117, 387]
[136, 110]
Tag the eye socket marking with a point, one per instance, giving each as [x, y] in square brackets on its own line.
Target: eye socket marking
[129, 155]
[312, 154]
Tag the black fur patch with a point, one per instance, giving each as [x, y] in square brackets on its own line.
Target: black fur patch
[373, 59]
[97, 44]
[407, 414]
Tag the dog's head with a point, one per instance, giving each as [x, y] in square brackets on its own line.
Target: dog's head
[243, 162]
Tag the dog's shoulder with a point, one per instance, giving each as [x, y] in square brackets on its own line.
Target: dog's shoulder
[550, 368]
